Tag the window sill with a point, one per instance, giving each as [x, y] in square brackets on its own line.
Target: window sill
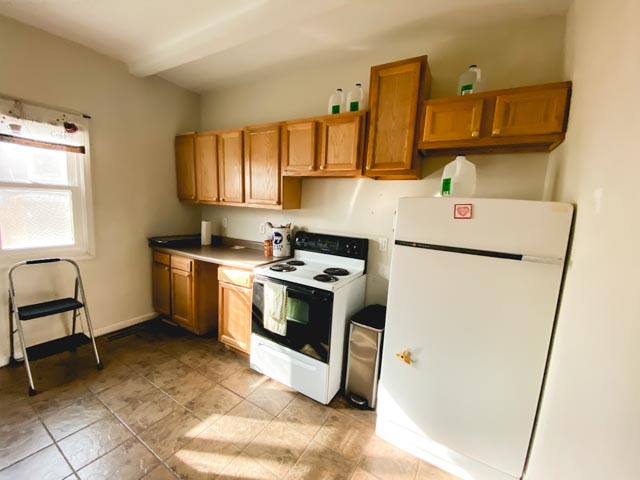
[11, 257]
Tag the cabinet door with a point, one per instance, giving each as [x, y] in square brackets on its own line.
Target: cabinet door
[182, 298]
[299, 147]
[161, 286]
[530, 113]
[234, 313]
[452, 120]
[262, 164]
[341, 147]
[396, 91]
[186, 167]
[231, 166]
[207, 167]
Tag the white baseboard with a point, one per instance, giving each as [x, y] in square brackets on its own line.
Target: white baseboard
[124, 324]
[4, 359]
[466, 468]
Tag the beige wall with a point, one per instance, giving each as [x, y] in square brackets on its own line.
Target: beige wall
[589, 426]
[133, 179]
[511, 54]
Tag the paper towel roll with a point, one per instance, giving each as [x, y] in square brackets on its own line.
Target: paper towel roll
[205, 233]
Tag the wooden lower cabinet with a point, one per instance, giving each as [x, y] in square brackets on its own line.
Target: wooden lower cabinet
[184, 290]
[234, 308]
[182, 298]
[161, 281]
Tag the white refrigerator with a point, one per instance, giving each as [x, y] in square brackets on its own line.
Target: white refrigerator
[473, 291]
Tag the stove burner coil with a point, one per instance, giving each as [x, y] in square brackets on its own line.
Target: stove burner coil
[325, 278]
[340, 272]
[296, 263]
[281, 267]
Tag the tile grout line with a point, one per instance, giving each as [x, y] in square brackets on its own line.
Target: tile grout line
[217, 381]
[137, 437]
[55, 442]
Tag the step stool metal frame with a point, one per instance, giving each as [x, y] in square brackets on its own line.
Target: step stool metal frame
[15, 323]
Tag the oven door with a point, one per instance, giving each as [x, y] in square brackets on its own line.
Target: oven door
[308, 318]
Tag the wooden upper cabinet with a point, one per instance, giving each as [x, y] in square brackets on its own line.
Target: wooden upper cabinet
[299, 147]
[532, 118]
[396, 92]
[452, 120]
[185, 166]
[341, 144]
[262, 164]
[207, 167]
[534, 112]
[231, 166]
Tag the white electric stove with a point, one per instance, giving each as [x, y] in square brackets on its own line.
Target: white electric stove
[325, 285]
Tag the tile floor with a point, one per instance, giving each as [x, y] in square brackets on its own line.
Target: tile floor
[171, 405]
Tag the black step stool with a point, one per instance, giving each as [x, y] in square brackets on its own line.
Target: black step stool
[17, 315]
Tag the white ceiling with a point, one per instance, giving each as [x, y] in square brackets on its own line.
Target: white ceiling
[203, 44]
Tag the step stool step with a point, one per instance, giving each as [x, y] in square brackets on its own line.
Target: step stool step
[44, 309]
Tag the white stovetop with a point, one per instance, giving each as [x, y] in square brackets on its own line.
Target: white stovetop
[315, 263]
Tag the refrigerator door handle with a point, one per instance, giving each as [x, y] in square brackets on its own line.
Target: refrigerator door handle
[547, 260]
[483, 253]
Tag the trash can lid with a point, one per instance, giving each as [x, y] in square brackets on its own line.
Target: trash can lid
[371, 316]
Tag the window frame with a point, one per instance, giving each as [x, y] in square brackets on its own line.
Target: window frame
[82, 212]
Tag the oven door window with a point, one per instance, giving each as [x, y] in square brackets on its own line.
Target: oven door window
[308, 318]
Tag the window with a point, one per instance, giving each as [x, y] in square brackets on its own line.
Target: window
[44, 198]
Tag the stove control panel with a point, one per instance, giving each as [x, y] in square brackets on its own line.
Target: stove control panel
[332, 244]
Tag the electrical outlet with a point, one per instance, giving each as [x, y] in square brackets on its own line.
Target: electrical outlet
[383, 243]
[263, 228]
[225, 222]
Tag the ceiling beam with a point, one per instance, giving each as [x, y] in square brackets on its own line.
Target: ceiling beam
[250, 20]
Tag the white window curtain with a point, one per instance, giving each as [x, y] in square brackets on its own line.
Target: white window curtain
[36, 126]
[45, 189]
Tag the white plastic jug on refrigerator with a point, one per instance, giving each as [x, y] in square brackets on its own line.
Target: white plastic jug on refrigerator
[473, 291]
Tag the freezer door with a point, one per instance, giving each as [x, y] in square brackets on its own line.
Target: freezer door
[478, 329]
[539, 229]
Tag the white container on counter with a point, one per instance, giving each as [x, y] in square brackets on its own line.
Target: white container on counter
[281, 237]
[205, 233]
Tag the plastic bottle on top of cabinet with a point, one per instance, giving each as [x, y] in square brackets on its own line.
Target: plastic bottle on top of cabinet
[355, 98]
[470, 81]
[459, 178]
[336, 102]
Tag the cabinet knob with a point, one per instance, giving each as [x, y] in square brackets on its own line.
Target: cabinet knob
[496, 131]
[323, 167]
[405, 356]
[475, 134]
[166, 268]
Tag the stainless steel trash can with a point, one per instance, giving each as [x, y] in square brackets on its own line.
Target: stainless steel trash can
[363, 361]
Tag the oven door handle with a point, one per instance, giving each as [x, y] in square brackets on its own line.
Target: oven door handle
[301, 290]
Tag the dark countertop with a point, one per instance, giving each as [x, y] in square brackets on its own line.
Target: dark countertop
[232, 255]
